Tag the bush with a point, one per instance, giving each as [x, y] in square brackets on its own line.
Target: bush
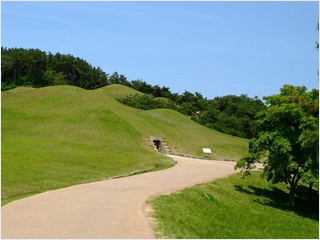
[5, 87]
[146, 102]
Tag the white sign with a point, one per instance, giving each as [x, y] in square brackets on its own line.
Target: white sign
[206, 150]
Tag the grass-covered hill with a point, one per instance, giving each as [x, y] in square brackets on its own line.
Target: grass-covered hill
[230, 114]
[119, 91]
[59, 136]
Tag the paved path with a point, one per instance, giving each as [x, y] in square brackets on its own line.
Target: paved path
[107, 209]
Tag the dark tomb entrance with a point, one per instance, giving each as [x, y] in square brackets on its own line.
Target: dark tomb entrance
[157, 143]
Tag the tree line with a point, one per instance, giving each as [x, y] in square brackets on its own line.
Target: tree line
[36, 68]
[229, 114]
[32, 67]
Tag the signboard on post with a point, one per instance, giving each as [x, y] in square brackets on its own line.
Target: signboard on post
[206, 150]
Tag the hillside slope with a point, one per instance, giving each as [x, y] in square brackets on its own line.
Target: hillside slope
[59, 136]
[118, 91]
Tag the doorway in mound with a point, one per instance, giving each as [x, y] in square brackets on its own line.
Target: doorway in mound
[158, 145]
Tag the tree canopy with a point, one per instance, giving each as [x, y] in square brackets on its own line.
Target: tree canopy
[232, 114]
[288, 138]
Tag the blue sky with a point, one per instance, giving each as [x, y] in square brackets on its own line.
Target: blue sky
[215, 48]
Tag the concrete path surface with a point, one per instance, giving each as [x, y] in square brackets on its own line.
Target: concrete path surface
[106, 209]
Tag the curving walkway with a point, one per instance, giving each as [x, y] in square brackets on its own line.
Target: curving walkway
[107, 209]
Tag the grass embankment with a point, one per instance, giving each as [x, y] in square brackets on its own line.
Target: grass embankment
[235, 208]
[60, 136]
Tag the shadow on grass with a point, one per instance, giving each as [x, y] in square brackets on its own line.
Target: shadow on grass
[279, 199]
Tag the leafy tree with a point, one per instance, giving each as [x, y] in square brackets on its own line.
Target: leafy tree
[232, 114]
[288, 137]
[192, 104]
[143, 87]
[117, 78]
[155, 91]
[53, 78]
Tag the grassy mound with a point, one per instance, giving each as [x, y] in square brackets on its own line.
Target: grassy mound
[118, 91]
[59, 136]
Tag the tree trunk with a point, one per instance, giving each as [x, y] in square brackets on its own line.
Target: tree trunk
[310, 192]
[293, 185]
[291, 196]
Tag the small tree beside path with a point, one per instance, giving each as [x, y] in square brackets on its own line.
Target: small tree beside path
[288, 139]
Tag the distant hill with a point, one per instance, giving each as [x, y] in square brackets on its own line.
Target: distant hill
[58, 136]
[230, 114]
[119, 91]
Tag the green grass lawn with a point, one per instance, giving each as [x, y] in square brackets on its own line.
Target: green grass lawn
[187, 137]
[60, 136]
[234, 207]
[118, 91]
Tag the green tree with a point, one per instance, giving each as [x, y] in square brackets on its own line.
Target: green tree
[232, 114]
[192, 104]
[288, 138]
[53, 78]
[116, 78]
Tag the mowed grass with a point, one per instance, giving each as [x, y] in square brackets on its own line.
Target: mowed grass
[233, 207]
[119, 91]
[188, 138]
[60, 136]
